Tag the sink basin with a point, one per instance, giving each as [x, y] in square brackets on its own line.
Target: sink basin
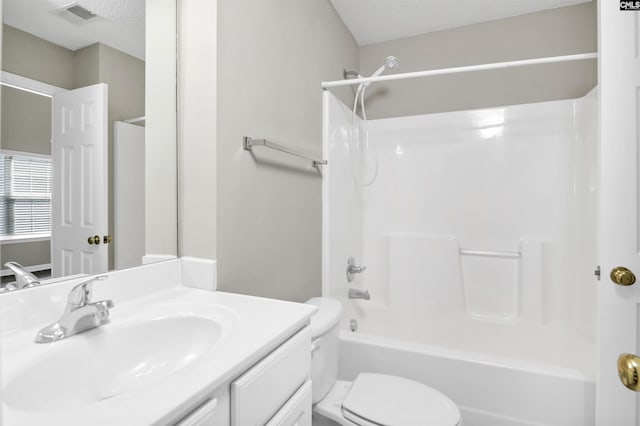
[110, 361]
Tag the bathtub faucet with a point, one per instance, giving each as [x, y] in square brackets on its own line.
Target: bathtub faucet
[355, 293]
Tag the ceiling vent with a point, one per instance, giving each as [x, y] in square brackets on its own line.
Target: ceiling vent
[81, 12]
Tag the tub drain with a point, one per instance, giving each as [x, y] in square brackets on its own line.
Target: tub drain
[353, 324]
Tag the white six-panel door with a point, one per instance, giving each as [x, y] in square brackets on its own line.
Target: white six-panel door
[79, 193]
[619, 213]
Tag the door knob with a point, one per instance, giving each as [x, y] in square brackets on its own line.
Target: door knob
[628, 371]
[94, 240]
[107, 239]
[622, 276]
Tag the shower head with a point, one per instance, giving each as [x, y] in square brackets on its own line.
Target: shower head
[391, 62]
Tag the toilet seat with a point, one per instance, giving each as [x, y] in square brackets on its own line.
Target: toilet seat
[383, 400]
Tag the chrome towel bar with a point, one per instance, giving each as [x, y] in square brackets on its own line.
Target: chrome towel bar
[248, 144]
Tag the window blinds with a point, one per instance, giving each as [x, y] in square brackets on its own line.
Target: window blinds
[25, 190]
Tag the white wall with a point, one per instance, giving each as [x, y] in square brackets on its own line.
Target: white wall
[519, 179]
[160, 141]
[198, 128]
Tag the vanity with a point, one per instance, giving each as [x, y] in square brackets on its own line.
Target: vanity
[175, 351]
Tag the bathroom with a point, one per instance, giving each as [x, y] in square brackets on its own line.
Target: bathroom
[479, 272]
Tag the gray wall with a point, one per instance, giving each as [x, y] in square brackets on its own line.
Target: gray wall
[27, 117]
[29, 56]
[26, 254]
[562, 31]
[125, 76]
[272, 56]
[27, 121]
[86, 66]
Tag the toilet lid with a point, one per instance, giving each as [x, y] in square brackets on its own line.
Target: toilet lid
[379, 399]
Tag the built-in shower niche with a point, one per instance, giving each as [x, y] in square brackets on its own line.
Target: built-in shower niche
[436, 276]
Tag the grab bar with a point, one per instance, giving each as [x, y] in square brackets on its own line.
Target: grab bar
[248, 143]
[490, 253]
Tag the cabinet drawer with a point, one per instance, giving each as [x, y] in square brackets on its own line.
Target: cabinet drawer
[260, 392]
[214, 411]
[297, 411]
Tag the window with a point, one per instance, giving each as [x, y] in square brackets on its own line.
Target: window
[25, 194]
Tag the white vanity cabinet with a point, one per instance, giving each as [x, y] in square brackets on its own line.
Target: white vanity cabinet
[203, 357]
[262, 390]
[275, 391]
[213, 411]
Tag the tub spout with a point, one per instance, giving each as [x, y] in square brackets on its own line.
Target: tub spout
[355, 293]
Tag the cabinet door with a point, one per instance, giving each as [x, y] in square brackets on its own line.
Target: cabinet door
[297, 411]
[258, 394]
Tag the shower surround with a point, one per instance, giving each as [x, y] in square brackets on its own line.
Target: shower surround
[478, 234]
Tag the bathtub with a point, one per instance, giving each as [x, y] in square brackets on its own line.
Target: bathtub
[478, 238]
[490, 391]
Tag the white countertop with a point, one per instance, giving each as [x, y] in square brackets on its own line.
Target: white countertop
[254, 326]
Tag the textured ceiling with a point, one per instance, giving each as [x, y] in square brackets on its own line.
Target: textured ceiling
[120, 23]
[373, 21]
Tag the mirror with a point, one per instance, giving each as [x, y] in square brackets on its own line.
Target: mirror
[53, 52]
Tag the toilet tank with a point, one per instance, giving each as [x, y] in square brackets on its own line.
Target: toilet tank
[325, 327]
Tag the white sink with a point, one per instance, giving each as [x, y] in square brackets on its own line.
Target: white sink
[111, 361]
[166, 348]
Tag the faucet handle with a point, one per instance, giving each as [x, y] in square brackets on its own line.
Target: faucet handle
[352, 269]
[80, 295]
[103, 309]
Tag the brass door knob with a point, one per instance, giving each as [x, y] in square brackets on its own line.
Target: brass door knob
[628, 371]
[622, 276]
[107, 239]
[94, 240]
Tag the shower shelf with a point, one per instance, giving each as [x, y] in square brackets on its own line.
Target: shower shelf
[248, 144]
[490, 253]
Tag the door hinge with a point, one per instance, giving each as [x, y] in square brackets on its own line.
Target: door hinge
[597, 272]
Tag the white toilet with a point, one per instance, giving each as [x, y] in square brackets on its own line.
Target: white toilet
[371, 399]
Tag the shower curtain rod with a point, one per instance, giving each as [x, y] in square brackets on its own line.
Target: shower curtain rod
[428, 73]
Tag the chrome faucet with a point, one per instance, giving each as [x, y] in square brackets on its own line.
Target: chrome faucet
[24, 278]
[355, 293]
[352, 269]
[80, 314]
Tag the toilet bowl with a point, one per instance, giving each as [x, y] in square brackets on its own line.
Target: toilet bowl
[371, 399]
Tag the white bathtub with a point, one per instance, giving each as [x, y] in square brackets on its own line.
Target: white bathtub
[478, 237]
[490, 391]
